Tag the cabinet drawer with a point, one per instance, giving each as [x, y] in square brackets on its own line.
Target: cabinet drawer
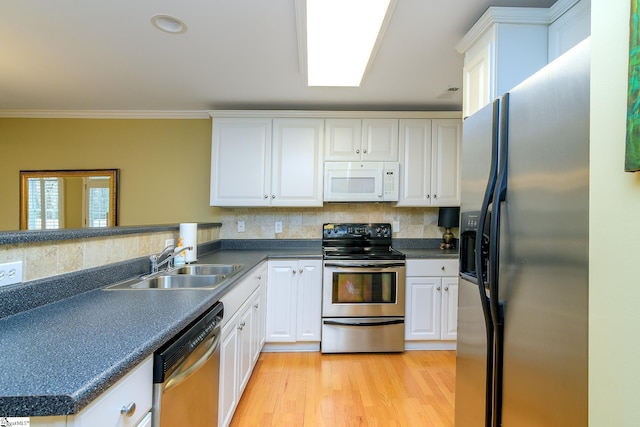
[432, 267]
[136, 387]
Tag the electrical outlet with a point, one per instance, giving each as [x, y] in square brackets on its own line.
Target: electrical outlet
[241, 226]
[10, 273]
[395, 226]
[278, 227]
[169, 242]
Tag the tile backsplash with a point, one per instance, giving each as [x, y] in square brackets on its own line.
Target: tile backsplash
[51, 258]
[306, 223]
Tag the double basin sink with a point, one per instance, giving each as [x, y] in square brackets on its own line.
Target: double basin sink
[196, 276]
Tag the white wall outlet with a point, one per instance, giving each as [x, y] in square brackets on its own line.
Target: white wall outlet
[10, 273]
[241, 226]
[169, 242]
[395, 226]
[278, 227]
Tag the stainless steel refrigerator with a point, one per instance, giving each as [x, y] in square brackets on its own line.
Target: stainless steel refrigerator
[523, 297]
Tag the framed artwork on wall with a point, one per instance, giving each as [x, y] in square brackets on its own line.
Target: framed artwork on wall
[632, 150]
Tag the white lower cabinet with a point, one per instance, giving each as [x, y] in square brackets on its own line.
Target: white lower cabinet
[241, 340]
[431, 304]
[133, 391]
[294, 302]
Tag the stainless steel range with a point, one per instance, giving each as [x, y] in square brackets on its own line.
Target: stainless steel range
[363, 296]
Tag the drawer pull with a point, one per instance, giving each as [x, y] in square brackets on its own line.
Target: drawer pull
[128, 410]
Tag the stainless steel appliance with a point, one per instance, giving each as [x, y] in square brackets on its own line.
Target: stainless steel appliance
[523, 296]
[361, 181]
[186, 373]
[363, 296]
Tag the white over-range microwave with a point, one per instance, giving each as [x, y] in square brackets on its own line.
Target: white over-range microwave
[361, 181]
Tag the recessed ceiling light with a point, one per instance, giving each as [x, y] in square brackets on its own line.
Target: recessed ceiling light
[341, 37]
[169, 24]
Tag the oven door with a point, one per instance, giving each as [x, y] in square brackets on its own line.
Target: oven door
[363, 288]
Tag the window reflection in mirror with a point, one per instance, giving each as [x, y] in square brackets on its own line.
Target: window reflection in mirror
[68, 199]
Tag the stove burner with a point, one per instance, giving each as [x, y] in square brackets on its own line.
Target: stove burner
[358, 241]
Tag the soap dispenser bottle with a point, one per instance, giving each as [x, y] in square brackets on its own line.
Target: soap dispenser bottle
[179, 259]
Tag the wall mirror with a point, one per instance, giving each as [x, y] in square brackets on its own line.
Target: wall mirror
[68, 199]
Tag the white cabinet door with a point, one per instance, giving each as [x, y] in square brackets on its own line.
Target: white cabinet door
[500, 51]
[430, 162]
[229, 361]
[423, 309]
[476, 78]
[281, 301]
[309, 310]
[245, 345]
[361, 140]
[445, 166]
[146, 421]
[240, 162]
[449, 308]
[259, 304]
[415, 162]
[343, 139]
[569, 29]
[294, 301]
[379, 140]
[297, 162]
[134, 389]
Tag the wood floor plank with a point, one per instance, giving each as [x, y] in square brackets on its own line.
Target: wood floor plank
[414, 388]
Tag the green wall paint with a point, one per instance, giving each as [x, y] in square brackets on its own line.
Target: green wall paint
[164, 163]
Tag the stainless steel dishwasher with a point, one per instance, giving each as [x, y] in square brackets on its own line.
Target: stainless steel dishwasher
[186, 374]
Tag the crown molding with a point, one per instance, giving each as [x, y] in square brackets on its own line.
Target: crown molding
[561, 6]
[503, 15]
[105, 114]
[328, 114]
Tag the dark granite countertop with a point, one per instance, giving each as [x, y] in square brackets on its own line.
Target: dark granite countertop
[58, 357]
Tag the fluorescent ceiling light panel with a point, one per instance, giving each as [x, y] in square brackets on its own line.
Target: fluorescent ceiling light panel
[341, 35]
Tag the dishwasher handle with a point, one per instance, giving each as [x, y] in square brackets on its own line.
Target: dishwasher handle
[187, 367]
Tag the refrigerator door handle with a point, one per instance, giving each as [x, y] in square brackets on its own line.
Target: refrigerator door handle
[496, 308]
[480, 266]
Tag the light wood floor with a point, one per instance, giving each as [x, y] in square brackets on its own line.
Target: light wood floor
[414, 388]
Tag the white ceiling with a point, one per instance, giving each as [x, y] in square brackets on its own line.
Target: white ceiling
[236, 54]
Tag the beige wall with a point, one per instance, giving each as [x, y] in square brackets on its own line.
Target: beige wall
[164, 164]
[614, 286]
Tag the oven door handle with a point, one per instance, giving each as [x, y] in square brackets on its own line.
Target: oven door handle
[380, 323]
[360, 265]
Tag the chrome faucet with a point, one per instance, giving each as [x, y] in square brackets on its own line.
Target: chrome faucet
[170, 252]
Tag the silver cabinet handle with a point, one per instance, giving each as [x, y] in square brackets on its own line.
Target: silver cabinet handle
[128, 410]
[242, 325]
[255, 305]
[364, 151]
[294, 271]
[301, 271]
[435, 196]
[273, 196]
[438, 288]
[442, 268]
[266, 196]
[357, 151]
[428, 196]
[446, 289]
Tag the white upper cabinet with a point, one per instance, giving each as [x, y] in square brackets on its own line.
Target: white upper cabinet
[296, 167]
[502, 49]
[266, 162]
[240, 162]
[571, 27]
[509, 44]
[361, 140]
[430, 162]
